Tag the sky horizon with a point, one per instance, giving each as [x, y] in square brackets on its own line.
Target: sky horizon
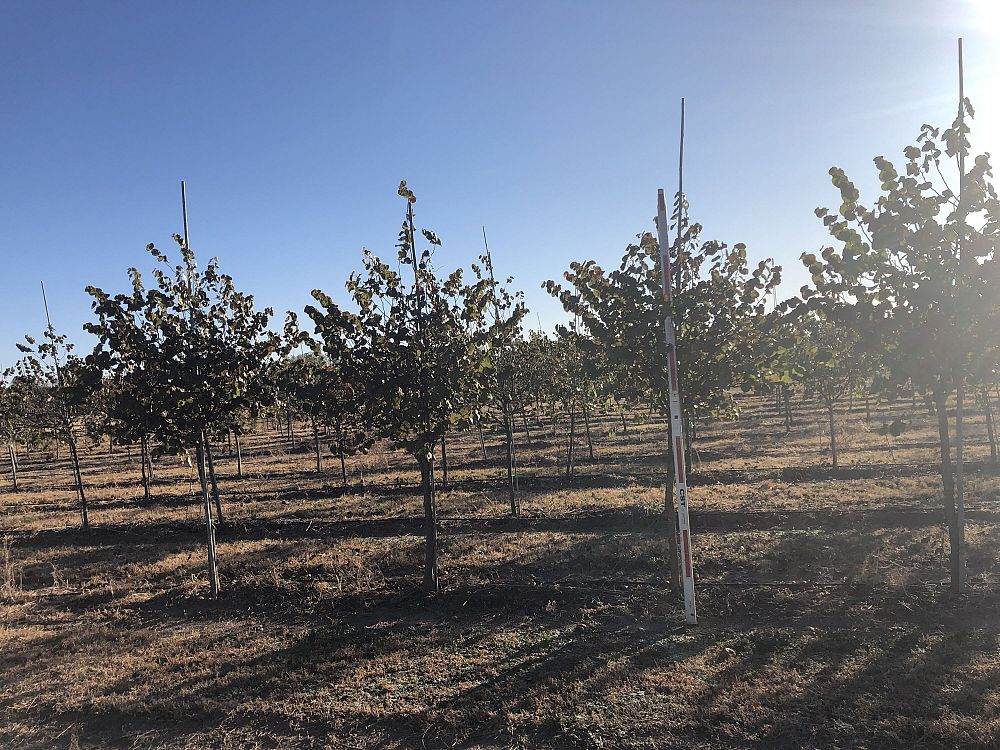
[552, 124]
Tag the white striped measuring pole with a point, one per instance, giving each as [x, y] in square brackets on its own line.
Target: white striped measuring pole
[676, 417]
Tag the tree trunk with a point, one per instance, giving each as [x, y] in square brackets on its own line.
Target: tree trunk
[586, 422]
[524, 421]
[624, 423]
[788, 406]
[572, 437]
[215, 485]
[444, 461]
[13, 466]
[956, 534]
[71, 439]
[990, 426]
[689, 435]
[670, 514]
[213, 570]
[149, 462]
[145, 476]
[319, 461]
[432, 580]
[482, 440]
[960, 468]
[833, 432]
[239, 455]
[515, 507]
[340, 453]
[291, 431]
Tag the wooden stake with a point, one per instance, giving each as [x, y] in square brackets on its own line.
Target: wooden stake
[201, 452]
[960, 365]
[676, 417]
[13, 466]
[67, 417]
[506, 396]
[680, 204]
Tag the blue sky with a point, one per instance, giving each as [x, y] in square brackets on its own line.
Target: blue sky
[552, 123]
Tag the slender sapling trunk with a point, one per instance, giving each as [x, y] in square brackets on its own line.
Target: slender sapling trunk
[990, 426]
[239, 456]
[145, 476]
[340, 452]
[960, 469]
[319, 460]
[670, 515]
[572, 437]
[515, 507]
[586, 422]
[482, 440]
[71, 439]
[432, 581]
[215, 484]
[956, 534]
[13, 466]
[444, 461]
[524, 421]
[213, 570]
[788, 407]
[833, 432]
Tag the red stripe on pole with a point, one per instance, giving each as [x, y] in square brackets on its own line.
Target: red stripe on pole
[687, 554]
[680, 460]
[673, 371]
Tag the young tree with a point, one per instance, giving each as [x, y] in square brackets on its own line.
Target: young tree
[128, 410]
[827, 361]
[19, 403]
[568, 384]
[304, 382]
[782, 370]
[419, 351]
[499, 380]
[917, 277]
[719, 306]
[193, 350]
[324, 386]
[65, 384]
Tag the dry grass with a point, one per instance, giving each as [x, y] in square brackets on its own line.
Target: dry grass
[11, 577]
[824, 618]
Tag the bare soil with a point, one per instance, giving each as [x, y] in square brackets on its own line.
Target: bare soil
[825, 616]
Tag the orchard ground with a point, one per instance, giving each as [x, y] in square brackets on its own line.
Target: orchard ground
[825, 618]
